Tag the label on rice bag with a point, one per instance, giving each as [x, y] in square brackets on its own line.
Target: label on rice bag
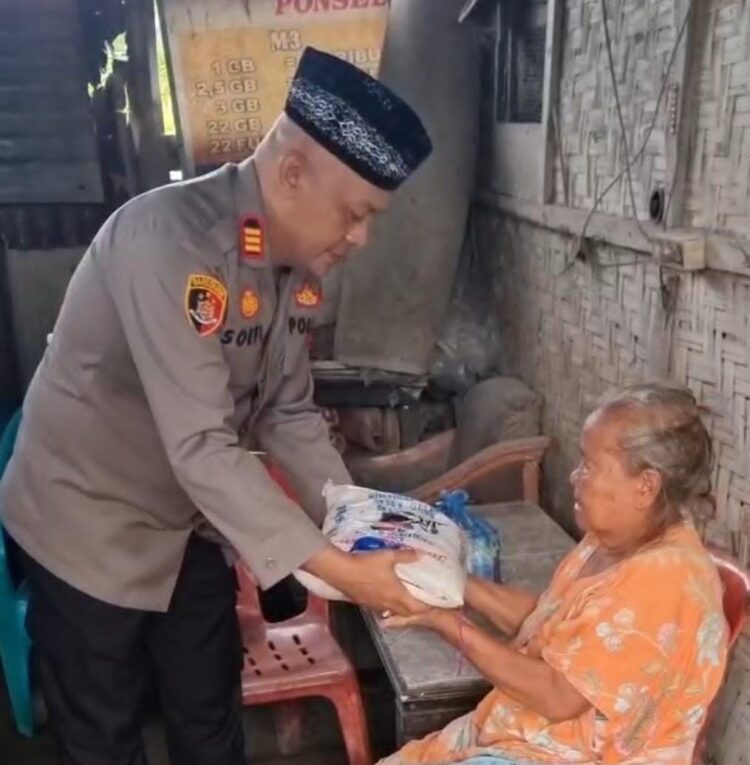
[360, 520]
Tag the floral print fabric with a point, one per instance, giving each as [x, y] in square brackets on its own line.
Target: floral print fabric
[645, 642]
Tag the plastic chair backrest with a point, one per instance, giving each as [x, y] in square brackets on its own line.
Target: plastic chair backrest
[7, 441]
[736, 584]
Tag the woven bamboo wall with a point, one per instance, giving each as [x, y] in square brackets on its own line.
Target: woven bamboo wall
[572, 333]
[619, 312]
[643, 34]
[719, 168]
[610, 326]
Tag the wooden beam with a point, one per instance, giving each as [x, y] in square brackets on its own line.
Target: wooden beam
[552, 62]
[151, 149]
[683, 102]
[613, 229]
[723, 252]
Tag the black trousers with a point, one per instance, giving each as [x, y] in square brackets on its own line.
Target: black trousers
[96, 663]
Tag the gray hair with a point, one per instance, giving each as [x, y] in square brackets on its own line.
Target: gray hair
[663, 431]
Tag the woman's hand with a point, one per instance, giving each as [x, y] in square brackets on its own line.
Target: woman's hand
[506, 607]
[437, 619]
[525, 677]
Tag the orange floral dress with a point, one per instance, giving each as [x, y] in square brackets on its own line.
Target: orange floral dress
[645, 642]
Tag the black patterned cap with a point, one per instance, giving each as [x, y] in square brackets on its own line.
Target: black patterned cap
[358, 119]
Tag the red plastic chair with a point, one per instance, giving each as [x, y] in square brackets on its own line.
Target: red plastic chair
[298, 658]
[736, 585]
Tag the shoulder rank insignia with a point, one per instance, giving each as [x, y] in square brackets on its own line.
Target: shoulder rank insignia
[308, 295]
[252, 246]
[205, 303]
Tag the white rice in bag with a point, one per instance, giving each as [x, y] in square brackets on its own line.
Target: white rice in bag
[360, 519]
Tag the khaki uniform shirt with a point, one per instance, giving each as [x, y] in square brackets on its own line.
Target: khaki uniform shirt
[177, 347]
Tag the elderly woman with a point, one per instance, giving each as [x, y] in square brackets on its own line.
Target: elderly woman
[618, 661]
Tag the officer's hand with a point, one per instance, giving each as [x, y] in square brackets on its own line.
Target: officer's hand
[368, 579]
[373, 583]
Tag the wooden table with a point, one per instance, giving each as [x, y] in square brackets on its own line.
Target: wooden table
[432, 684]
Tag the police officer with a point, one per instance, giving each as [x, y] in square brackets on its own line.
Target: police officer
[180, 350]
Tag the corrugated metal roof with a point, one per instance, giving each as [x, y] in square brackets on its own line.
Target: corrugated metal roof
[48, 149]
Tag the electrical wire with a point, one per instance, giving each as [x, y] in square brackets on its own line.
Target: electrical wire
[620, 118]
[630, 161]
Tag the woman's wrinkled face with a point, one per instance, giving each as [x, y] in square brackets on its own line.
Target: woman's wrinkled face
[610, 501]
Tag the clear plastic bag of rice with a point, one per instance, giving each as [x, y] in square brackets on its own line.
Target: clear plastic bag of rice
[360, 520]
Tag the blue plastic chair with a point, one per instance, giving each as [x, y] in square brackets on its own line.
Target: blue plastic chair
[15, 646]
